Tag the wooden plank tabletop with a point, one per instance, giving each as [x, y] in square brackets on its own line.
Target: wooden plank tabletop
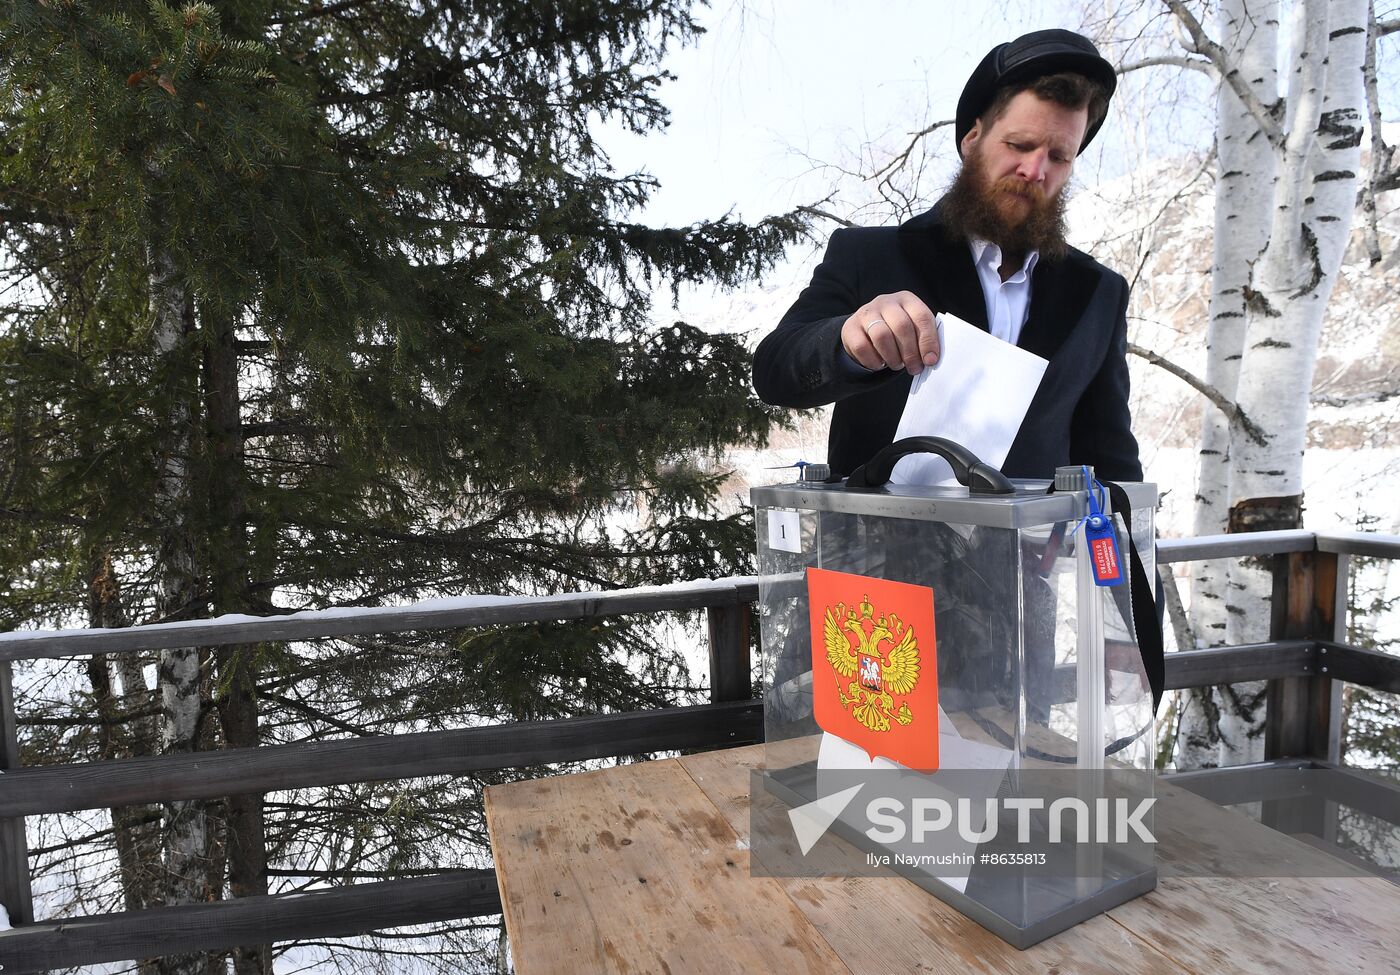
[645, 868]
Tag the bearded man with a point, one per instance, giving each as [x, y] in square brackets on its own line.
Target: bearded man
[992, 252]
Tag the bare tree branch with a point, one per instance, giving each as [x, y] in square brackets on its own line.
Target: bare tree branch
[1387, 181]
[1385, 27]
[315, 714]
[1176, 612]
[1195, 64]
[1223, 403]
[1380, 152]
[825, 215]
[903, 157]
[1264, 115]
[1180, 194]
[371, 874]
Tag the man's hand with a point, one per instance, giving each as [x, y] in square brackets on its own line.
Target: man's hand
[892, 331]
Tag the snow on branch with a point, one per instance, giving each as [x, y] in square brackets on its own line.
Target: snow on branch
[825, 215]
[1356, 399]
[1169, 60]
[1203, 45]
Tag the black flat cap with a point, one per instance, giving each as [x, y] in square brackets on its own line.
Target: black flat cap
[1028, 57]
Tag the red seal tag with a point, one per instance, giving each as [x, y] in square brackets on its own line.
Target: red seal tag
[1103, 551]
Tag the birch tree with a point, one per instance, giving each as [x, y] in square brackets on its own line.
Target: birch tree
[1244, 186]
[178, 677]
[1288, 183]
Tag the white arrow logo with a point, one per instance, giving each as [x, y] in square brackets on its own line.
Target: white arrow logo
[811, 821]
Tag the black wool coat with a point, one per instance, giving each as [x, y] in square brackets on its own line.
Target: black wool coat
[1076, 320]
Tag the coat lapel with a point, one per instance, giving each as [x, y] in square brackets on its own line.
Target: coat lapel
[1060, 293]
[947, 279]
[1060, 289]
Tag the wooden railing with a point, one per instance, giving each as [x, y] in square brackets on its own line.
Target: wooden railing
[1306, 661]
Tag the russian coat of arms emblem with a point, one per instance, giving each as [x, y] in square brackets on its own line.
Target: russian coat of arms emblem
[875, 681]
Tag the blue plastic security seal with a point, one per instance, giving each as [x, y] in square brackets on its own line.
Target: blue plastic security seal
[1101, 537]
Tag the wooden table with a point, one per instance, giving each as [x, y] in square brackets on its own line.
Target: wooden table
[645, 868]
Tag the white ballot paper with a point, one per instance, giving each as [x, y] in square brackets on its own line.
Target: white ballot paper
[977, 395]
[954, 752]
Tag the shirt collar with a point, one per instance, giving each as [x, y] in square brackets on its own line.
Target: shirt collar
[988, 255]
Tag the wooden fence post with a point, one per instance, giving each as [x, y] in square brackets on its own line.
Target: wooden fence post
[731, 647]
[1305, 713]
[1309, 602]
[15, 892]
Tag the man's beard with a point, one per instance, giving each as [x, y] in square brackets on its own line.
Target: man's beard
[974, 207]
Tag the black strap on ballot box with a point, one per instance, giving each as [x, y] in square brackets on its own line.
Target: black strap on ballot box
[1142, 612]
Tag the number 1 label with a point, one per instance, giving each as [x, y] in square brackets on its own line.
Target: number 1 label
[784, 530]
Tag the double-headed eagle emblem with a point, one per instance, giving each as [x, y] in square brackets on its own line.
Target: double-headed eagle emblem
[879, 657]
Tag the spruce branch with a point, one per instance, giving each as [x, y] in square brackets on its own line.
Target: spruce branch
[318, 10]
[255, 430]
[316, 714]
[425, 281]
[17, 215]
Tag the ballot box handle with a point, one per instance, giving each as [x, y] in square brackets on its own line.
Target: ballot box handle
[977, 477]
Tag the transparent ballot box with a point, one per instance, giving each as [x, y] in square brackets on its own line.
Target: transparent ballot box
[953, 692]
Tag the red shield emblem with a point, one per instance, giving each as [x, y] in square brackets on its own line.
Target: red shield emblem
[874, 665]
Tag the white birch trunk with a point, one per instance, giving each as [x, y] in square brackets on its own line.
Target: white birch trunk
[137, 842]
[186, 860]
[1292, 282]
[1244, 194]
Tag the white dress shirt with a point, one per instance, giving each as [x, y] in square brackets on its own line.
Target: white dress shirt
[1008, 301]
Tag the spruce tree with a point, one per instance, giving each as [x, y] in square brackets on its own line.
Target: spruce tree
[340, 303]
